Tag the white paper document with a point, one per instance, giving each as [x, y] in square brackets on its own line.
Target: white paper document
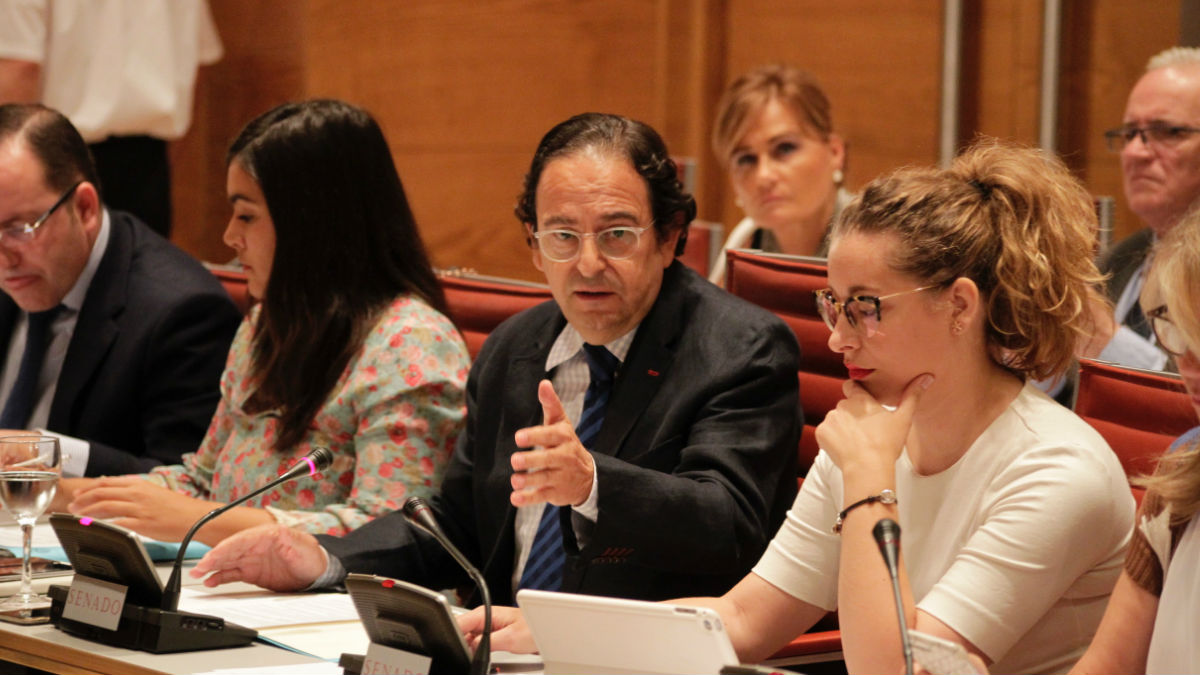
[297, 669]
[263, 609]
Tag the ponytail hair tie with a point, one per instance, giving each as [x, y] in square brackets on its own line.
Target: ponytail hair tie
[985, 189]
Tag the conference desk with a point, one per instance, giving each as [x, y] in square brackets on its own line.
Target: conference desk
[44, 647]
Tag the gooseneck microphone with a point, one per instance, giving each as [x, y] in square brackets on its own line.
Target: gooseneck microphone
[418, 513]
[315, 461]
[887, 535]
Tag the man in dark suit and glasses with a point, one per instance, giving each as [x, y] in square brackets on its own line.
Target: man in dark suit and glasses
[1159, 146]
[110, 337]
[634, 437]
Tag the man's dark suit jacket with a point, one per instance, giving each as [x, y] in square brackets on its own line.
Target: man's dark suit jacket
[140, 380]
[1124, 259]
[696, 459]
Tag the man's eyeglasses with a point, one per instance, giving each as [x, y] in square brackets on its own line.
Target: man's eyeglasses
[614, 243]
[1166, 332]
[862, 311]
[23, 233]
[1155, 133]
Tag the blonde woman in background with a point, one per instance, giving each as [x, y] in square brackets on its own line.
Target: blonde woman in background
[774, 135]
[1152, 624]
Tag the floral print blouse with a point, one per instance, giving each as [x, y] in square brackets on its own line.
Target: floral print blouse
[391, 422]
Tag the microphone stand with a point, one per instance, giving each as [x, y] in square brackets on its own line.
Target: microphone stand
[419, 514]
[887, 536]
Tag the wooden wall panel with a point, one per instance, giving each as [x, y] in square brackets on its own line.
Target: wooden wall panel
[464, 89]
[262, 67]
[1001, 75]
[1107, 44]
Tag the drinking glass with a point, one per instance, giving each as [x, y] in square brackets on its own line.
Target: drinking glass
[29, 470]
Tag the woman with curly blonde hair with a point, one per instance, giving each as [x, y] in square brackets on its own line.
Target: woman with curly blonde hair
[1150, 625]
[950, 291]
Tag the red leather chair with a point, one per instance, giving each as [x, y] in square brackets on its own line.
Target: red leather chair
[477, 303]
[784, 284]
[1139, 412]
[704, 242]
[234, 281]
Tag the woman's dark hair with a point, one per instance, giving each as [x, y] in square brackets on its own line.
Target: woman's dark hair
[346, 245]
[672, 207]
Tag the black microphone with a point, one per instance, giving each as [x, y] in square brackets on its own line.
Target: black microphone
[315, 461]
[418, 513]
[887, 535]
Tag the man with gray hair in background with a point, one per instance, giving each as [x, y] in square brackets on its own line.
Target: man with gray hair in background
[1159, 144]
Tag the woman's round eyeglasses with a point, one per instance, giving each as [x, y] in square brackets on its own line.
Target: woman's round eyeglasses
[862, 311]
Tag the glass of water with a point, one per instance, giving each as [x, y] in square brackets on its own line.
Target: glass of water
[29, 469]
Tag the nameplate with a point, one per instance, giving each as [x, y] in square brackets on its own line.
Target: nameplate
[381, 660]
[95, 602]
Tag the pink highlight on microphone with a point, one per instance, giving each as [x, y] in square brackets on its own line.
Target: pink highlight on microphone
[312, 468]
[85, 521]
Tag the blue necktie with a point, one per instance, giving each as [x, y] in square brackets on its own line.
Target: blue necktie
[24, 392]
[544, 567]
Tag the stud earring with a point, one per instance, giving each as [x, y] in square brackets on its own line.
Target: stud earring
[957, 328]
[838, 177]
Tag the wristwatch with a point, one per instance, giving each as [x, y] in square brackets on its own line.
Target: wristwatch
[885, 496]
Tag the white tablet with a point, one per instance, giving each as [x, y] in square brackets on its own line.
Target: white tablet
[590, 634]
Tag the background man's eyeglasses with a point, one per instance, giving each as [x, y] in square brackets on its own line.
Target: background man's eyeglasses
[1167, 333]
[1155, 133]
[862, 311]
[614, 243]
[25, 232]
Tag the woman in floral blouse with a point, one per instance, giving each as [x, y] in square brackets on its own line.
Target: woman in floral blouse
[349, 348]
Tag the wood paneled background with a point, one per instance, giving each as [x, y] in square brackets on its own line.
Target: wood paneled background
[464, 89]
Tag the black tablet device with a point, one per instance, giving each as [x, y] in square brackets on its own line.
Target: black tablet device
[405, 616]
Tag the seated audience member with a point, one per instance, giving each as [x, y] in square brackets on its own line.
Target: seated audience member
[949, 290]
[1159, 142]
[774, 134]
[1151, 622]
[348, 348]
[115, 338]
[635, 437]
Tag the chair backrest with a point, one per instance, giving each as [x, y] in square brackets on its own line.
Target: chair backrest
[784, 284]
[234, 281]
[478, 303]
[1139, 412]
[704, 243]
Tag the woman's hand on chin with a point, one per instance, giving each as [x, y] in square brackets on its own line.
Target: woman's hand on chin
[861, 433]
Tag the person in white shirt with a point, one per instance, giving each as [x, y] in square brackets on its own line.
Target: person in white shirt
[123, 72]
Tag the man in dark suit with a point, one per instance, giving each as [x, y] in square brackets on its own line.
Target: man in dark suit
[113, 339]
[1159, 143]
[672, 487]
